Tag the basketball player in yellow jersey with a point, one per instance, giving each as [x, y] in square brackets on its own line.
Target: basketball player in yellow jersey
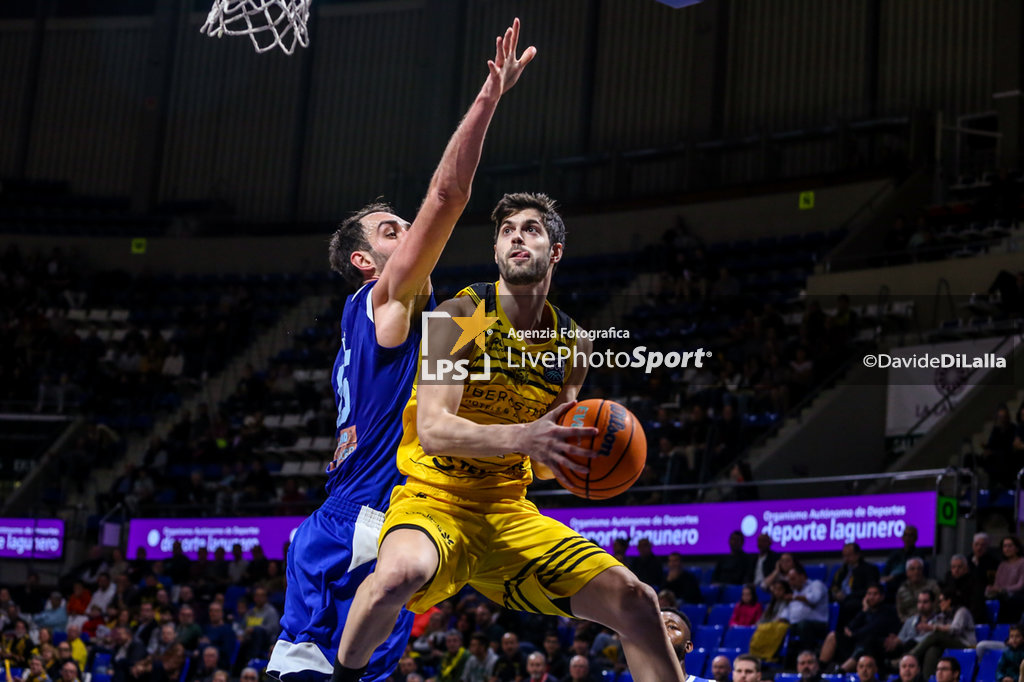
[469, 448]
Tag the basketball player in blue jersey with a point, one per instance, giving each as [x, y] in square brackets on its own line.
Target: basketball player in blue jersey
[680, 637]
[334, 550]
[472, 440]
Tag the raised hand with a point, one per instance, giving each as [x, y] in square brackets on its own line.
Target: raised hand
[506, 68]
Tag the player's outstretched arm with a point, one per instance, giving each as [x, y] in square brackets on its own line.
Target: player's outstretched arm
[443, 432]
[407, 271]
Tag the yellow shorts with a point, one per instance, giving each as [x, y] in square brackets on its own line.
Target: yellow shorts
[508, 550]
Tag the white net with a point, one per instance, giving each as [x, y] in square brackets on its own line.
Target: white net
[268, 23]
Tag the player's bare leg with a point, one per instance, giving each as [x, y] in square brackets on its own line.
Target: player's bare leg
[407, 559]
[617, 599]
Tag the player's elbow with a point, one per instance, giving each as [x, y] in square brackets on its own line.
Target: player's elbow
[431, 438]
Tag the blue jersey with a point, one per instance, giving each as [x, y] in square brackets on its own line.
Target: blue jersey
[371, 387]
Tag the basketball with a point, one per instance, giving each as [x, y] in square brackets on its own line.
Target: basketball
[620, 444]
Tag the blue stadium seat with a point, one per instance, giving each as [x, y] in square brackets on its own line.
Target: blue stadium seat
[987, 667]
[763, 595]
[981, 632]
[231, 596]
[993, 609]
[708, 636]
[839, 677]
[786, 677]
[625, 677]
[730, 594]
[710, 593]
[697, 613]
[695, 661]
[816, 572]
[720, 614]
[731, 654]
[833, 615]
[738, 637]
[1000, 632]
[968, 659]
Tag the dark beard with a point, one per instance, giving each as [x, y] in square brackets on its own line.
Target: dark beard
[534, 272]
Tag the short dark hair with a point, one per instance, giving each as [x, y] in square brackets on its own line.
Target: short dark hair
[520, 201]
[749, 657]
[799, 568]
[480, 637]
[953, 663]
[682, 616]
[349, 238]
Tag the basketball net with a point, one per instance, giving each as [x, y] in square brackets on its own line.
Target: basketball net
[268, 23]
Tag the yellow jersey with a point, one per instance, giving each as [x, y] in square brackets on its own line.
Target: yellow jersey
[519, 390]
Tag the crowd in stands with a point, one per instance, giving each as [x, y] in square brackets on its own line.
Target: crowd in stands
[771, 348]
[750, 614]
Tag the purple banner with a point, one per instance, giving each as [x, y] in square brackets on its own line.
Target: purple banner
[157, 536]
[822, 524]
[31, 538]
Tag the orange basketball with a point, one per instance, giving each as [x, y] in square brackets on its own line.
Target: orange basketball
[620, 444]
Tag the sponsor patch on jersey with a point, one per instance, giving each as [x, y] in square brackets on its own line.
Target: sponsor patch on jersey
[346, 446]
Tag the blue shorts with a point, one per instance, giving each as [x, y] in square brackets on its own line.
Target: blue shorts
[331, 554]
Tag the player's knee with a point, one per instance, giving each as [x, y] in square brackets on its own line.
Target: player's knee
[398, 582]
[635, 597]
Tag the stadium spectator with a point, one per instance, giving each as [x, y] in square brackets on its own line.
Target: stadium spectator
[35, 671]
[219, 635]
[1012, 657]
[70, 672]
[17, 645]
[536, 668]
[851, 581]
[948, 670]
[104, 592]
[736, 568]
[721, 668]
[984, 557]
[556, 661]
[970, 584]
[645, 565]
[909, 669]
[808, 610]
[480, 664]
[1008, 586]
[952, 628]
[746, 668]
[453, 662]
[511, 664]
[807, 666]
[54, 615]
[865, 633]
[748, 609]
[867, 669]
[998, 454]
[896, 563]
[127, 652]
[208, 666]
[579, 670]
[914, 628]
[680, 581]
[781, 570]
[79, 652]
[764, 564]
[914, 583]
[188, 632]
